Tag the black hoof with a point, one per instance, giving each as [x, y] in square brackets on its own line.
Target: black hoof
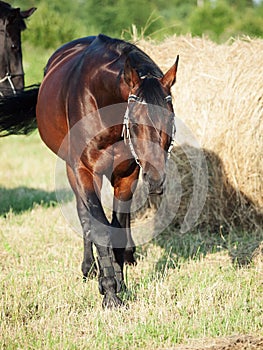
[129, 258]
[111, 301]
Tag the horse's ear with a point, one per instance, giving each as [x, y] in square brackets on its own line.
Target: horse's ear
[170, 76]
[131, 77]
[27, 13]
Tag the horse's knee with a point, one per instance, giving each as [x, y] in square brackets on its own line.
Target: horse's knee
[108, 285]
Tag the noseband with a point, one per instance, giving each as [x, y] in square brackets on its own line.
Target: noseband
[9, 77]
[126, 128]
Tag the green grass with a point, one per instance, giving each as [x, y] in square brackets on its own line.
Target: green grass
[185, 287]
[34, 62]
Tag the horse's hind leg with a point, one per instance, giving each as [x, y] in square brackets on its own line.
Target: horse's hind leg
[88, 267]
[129, 258]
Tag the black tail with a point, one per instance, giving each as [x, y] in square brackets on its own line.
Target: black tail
[18, 112]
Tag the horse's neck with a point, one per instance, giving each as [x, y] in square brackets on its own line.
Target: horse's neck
[113, 90]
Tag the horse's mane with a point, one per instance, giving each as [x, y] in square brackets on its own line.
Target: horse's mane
[5, 10]
[5, 5]
[145, 67]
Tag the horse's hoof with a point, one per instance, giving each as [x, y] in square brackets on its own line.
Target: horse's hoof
[111, 301]
[129, 258]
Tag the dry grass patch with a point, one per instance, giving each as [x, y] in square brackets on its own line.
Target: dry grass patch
[195, 289]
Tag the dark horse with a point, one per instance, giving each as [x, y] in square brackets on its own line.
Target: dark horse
[11, 69]
[83, 116]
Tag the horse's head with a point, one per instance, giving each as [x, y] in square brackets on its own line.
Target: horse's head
[11, 69]
[149, 122]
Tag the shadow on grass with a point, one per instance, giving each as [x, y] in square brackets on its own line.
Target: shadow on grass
[242, 247]
[21, 199]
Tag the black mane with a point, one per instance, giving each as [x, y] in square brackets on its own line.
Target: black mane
[139, 60]
[152, 93]
[145, 67]
[5, 5]
[150, 90]
[6, 9]
[143, 64]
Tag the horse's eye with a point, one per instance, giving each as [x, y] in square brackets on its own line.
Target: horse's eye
[135, 127]
[13, 47]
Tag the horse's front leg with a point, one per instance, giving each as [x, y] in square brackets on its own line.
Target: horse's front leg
[121, 221]
[121, 217]
[99, 232]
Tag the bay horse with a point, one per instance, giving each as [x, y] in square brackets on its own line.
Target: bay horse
[96, 110]
[12, 22]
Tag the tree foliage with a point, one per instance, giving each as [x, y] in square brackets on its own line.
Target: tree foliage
[57, 22]
[52, 28]
[211, 20]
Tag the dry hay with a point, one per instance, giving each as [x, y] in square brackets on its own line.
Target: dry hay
[219, 96]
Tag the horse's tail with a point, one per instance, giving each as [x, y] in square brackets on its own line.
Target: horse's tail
[18, 112]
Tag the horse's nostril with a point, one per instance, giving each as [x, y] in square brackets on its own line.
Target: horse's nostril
[156, 190]
[156, 187]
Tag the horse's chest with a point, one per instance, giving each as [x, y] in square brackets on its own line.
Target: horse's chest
[105, 161]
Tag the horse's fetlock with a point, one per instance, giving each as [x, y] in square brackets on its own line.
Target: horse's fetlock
[107, 285]
[111, 300]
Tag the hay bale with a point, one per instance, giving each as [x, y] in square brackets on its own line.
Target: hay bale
[219, 96]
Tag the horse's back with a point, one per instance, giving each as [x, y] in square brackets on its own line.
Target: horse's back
[69, 49]
[80, 77]
[51, 109]
[63, 95]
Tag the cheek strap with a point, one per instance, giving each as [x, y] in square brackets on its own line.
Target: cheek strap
[127, 136]
[126, 128]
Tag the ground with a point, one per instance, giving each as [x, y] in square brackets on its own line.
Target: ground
[231, 343]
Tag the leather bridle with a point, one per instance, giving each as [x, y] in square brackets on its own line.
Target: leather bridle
[8, 75]
[126, 128]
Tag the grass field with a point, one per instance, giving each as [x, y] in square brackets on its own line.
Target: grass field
[198, 290]
[186, 289]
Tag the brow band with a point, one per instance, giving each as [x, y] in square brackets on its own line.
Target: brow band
[135, 98]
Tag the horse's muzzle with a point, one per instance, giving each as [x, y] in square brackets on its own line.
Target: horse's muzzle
[155, 187]
[156, 190]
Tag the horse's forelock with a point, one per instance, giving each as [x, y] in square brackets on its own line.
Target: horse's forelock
[5, 11]
[151, 92]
